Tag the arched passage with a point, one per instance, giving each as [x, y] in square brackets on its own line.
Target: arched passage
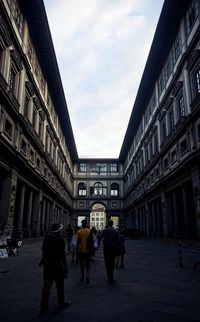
[98, 216]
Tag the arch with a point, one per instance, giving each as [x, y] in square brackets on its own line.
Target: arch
[114, 191]
[98, 215]
[82, 189]
[98, 205]
[98, 189]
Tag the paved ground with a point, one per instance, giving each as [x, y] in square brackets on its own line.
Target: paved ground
[151, 288]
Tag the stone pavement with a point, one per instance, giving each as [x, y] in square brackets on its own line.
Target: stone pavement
[151, 288]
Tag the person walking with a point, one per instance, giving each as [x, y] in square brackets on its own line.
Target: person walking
[96, 245]
[73, 247]
[69, 234]
[120, 257]
[84, 250]
[55, 267]
[111, 248]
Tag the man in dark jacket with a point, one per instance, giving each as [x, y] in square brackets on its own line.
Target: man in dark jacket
[55, 267]
[111, 248]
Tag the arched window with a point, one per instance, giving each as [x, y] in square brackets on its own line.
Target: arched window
[114, 189]
[81, 189]
[98, 188]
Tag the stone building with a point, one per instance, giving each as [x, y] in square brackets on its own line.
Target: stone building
[160, 152]
[154, 185]
[37, 148]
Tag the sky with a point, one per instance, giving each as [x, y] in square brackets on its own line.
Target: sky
[101, 48]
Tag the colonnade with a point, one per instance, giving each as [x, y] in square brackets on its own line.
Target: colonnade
[170, 214]
[29, 211]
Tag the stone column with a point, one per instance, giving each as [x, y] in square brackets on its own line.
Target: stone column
[21, 213]
[186, 210]
[147, 218]
[46, 223]
[29, 213]
[37, 201]
[164, 213]
[8, 198]
[153, 218]
[5, 199]
[51, 213]
[196, 192]
[159, 217]
[175, 207]
[43, 217]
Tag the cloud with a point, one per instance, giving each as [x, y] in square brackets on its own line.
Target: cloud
[101, 48]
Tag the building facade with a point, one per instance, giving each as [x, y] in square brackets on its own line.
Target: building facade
[37, 148]
[154, 185]
[161, 146]
[98, 181]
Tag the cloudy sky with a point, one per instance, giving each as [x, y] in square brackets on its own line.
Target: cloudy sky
[101, 48]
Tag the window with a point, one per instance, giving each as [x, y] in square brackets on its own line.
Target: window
[8, 128]
[81, 189]
[34, 118]
[12, 79]
[5, 41]
[15, 67]
[163, 131]
[171, 120]
[17, 15]
[32, 157]
[180, 107]
[98, 188]
[165, 164]
[113, 167]
[82, 167]
[198, 132]
[197, 81]
[26, 105]
[23, 147]
[101, 167]
[38, 163]
[40, 129]
[183, 147]
[173, 156]
[176, 51]
[191, 15]
[150, 149]
[1, 57]
[114, 192]
[168, 67]
[47, 141]
[161, 82]
[147, 154]
[157, 172]
[155, 137]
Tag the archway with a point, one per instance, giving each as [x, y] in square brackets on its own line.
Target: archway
[98, 216]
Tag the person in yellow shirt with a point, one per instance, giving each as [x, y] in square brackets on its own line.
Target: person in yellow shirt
[84, 250]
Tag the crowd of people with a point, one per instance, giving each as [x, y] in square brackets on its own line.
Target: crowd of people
[82, 244]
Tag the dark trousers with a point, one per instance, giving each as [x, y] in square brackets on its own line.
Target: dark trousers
[48, 282]
[84, 259]
[109, 259]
